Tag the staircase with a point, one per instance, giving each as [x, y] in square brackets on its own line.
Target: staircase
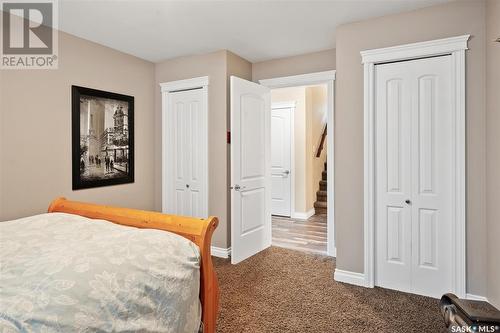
[321, 195]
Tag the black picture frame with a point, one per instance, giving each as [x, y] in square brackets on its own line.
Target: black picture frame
[103, 155]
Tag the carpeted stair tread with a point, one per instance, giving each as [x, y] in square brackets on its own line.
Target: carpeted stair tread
[321, 193]
[320, 204]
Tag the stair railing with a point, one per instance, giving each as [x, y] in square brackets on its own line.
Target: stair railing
[321, 141]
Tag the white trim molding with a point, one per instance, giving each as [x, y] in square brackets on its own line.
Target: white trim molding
[473, 297]
[298, 80]
[455, 47]
[331, 248]
[303, 216]
[196, 82]
[220, 252]
[328, 78]
[167, 89]
[284, 105]
[354, 278]
[416, 50]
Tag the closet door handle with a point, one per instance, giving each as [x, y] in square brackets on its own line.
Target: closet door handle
[408, 201]
[238, 187]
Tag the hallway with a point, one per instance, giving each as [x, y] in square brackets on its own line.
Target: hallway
[302, 235]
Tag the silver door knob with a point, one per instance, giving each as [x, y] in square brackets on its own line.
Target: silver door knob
[238, 187]
[286, 172]
[408, 201]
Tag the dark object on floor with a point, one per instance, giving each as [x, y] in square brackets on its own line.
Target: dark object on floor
[478, 315]
[286, 291]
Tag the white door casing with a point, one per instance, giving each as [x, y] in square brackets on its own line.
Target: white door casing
[281, 160]
[250, 168]
[414, 185]
[328, 78]
[185, 147]
[455, 47]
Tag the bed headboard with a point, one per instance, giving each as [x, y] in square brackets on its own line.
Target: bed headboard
[199, 231]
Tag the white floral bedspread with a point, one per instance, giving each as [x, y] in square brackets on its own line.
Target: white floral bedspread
[67, 273]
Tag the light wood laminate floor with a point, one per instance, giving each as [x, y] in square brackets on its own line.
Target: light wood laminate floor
[303, 235]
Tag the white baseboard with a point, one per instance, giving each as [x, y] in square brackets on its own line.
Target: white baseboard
[357, 279]
[220, 252]
[473, 297]
[303, 216]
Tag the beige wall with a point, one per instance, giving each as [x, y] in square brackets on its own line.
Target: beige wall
[317, 106]
[35, 137]
[297, 95]
[453, 19]
[218, 66]
[493, 147]
[301, 64]
[35, 147]
[214, 66]
[238, 66]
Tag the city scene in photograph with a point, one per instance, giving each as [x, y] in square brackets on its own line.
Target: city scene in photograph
[104, 138]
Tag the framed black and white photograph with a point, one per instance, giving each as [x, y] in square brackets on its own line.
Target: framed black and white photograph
[102, 138]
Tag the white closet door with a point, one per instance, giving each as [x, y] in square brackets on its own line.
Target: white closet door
[432, 180]
[188, 192]
[281, 161]
[393, 220]
[414, 182]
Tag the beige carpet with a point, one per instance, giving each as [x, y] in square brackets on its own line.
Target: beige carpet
[282, 290]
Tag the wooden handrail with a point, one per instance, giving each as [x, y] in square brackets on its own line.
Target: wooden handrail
[321, 143]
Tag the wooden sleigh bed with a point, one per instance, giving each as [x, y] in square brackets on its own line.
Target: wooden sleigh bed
[198, 231]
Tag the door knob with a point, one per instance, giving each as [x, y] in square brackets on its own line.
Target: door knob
[408, 201]
[187, 185]
[237, 187]
[286, 172]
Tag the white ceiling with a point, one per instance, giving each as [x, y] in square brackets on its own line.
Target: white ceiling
[255, 30]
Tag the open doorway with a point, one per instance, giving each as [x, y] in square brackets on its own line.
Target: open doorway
[299, 173]
[302, 162]
[251, 217]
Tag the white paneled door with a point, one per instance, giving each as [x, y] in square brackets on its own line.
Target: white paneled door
[414, 181]
[281, 161]
[185, 151]
[250, 169]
